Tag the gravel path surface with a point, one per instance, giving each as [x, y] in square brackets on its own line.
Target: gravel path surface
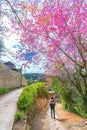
[8, 108]
[43, 121]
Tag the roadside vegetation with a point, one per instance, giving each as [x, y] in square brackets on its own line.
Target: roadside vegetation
[71, 95]
[3, 91]
[19, 116]
[28, 99]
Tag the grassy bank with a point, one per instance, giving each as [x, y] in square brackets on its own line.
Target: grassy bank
[71, 99]
[31, 101]
[3, 91]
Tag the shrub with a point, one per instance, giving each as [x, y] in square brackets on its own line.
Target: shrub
[71, 99]
[29, 81]
[27, 98]
[3, 91]
[42, 91]
[19, 116]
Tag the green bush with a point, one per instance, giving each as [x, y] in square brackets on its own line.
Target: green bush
[71, 99]
[29, 81]
[25, 100]
[3, 91]
[19, 116]
[42, 91]
[29, 94]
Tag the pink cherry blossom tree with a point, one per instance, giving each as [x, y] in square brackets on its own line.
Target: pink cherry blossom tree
[55, 31]
[63, 27]
[58, 31]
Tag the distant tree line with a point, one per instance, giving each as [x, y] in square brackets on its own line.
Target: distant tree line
[34, 76]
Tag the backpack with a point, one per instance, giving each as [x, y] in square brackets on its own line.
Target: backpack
[52, 104]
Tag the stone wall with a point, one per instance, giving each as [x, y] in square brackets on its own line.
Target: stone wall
[10, 78]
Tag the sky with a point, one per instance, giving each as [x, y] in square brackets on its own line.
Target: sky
[10, 40]
[9, 55]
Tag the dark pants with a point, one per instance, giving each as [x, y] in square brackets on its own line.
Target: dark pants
[52, 113]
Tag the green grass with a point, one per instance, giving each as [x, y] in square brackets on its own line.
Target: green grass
[19, 116]
[3, 91]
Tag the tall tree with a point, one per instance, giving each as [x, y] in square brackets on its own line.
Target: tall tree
[55, 29]
[62, 26]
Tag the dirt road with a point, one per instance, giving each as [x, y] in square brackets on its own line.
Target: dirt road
[8, 109]
[43, 121]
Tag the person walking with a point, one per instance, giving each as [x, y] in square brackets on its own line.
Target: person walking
[52, 107]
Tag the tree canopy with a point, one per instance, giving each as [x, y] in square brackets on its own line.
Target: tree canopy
[55, 30]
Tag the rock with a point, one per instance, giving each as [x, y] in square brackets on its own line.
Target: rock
[85, 123]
